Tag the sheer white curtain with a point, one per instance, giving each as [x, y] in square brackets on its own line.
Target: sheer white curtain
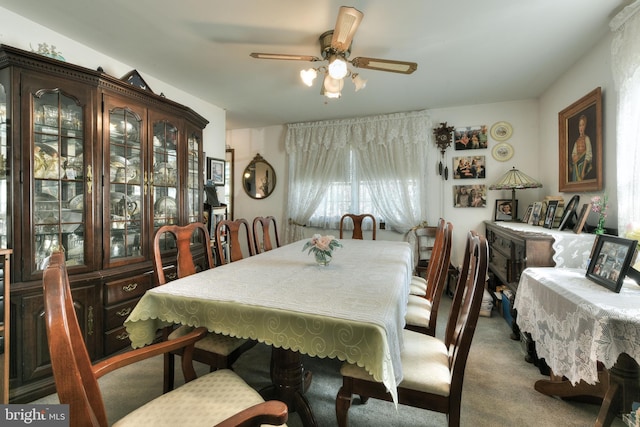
[625, 53]
[391, 156]
[390, 153]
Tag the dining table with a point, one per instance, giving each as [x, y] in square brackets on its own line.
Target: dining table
[352, 309]
[587, 334]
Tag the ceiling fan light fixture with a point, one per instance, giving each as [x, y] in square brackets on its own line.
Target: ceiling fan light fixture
[338, 67]
[308, 76]
[332, 88]
[358, 81]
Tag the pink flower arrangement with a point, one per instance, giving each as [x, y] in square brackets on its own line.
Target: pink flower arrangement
[599, 205]
[320, 243]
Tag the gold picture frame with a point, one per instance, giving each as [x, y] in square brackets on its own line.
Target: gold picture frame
[580, 137]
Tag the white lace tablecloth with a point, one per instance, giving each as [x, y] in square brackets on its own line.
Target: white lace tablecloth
[352, 310]
[576, 322]
[571, 250]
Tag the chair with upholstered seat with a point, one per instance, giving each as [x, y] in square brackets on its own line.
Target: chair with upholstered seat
[421, 277]
[422, 311]
[262, 228]
[220, 398]
[433, 369]
[216, 350]
[424, 241]
[231, 247]
[357, 225]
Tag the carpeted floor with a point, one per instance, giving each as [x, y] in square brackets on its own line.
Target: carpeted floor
[498, 388]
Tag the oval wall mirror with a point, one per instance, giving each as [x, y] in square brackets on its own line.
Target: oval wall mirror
[259, 178]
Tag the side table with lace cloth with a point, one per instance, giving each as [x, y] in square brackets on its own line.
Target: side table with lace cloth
[577, 323]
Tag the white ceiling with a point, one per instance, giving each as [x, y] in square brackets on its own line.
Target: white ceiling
[468, 51]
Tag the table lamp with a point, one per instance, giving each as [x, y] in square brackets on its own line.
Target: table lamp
[512, 180]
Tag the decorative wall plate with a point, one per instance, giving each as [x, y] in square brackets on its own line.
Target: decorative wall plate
[501, 131]
[502, 152]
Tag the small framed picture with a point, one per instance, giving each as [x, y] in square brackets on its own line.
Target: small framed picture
[527, 214]
[469, 196]
[471, 137]
[582, 218]
[215, 171]
[569, 212]
[535, 213]
[610, 259]
[504, 211]
[550, 215]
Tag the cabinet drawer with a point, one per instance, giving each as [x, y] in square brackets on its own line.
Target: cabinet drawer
[116, 339]
[125, 289]
[115, 315]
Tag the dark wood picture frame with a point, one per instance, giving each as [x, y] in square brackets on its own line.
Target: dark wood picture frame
[503, 210]
[610, 260]
[215, 171]
[550, 215]
[582, 218]
[569, 212]
[581, 174]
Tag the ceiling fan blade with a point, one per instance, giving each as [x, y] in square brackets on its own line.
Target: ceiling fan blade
[349, 19]
[402, 67]
[283, 56]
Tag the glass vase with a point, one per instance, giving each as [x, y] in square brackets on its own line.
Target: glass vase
[600, 228]
[323, 258]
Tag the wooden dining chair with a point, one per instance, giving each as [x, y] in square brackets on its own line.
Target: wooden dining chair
[220, 398]
[424, 242]
[433, 369]
[216, 350]
[357, 225]
[228, 240]
[262, 228]
[422, 311]
[421, 277]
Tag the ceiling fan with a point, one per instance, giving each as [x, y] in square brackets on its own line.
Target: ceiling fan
[335, 47]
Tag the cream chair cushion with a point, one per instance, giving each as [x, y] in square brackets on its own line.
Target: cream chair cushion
[425, 365]
[418, 311]
[418, 286]
[205, 401]
[213, 343]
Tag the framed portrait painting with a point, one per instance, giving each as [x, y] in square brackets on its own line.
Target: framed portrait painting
[215, 171]
[580, 142]
[610, 260]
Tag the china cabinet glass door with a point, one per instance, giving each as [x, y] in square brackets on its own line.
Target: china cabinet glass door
[126, 184]
[165, 177]
[59, 215]
[4, 170]
[194, 177]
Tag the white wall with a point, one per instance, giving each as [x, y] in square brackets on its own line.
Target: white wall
[24, 34]
[591, 71]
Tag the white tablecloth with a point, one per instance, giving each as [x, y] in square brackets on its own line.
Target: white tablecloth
[576, 322]
[352, 309]
[571, 250]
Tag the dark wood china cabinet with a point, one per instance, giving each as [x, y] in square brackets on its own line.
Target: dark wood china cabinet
[94, 164]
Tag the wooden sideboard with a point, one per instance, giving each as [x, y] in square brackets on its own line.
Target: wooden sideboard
[511, 251]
